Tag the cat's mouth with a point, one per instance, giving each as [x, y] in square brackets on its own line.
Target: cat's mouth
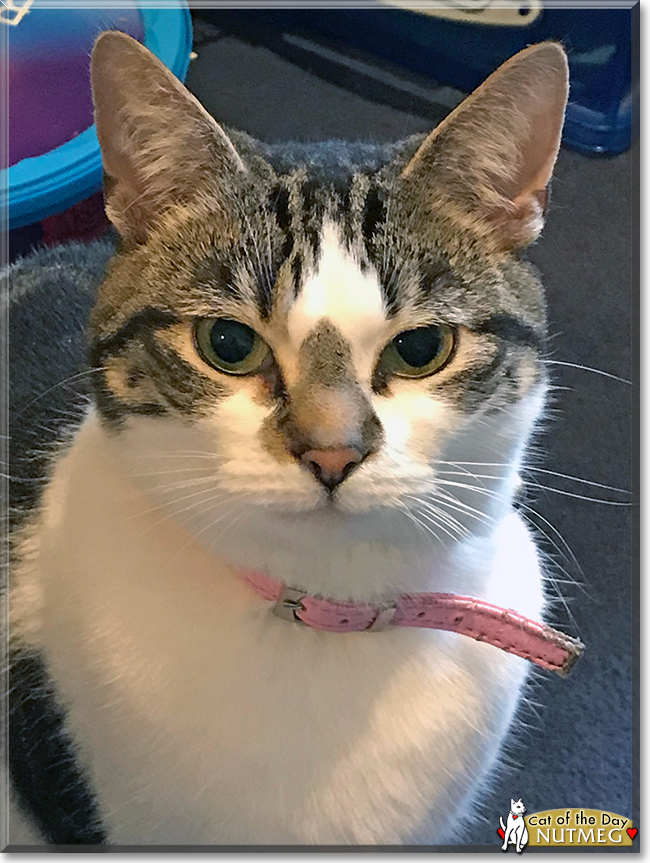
[335, 510]
[329, 507]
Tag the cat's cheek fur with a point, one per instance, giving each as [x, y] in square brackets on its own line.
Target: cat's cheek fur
[247, 466]
[414, 423]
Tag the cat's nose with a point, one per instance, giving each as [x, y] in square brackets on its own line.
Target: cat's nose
[331, 466]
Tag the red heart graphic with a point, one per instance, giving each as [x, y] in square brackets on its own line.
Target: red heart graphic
[502, 834]
[631, 832]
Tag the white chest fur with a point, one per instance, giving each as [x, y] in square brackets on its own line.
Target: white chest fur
[203, 718]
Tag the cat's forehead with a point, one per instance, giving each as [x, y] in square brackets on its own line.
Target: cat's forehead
[306, 254]
[342, 291]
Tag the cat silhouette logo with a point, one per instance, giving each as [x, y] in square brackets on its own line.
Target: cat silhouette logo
[514, 832]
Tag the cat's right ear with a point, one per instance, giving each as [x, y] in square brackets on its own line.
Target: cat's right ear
[159, 145]
[489, 163]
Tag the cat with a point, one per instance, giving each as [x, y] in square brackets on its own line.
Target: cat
[299, 358]
[515, 831]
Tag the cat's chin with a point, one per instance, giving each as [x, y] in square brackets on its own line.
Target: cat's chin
[349, 555]
[334, 511]
[331, 512]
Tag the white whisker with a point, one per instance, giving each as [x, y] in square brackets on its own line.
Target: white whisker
[587, 369]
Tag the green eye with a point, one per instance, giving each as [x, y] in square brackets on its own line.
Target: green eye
[420, 352]
[230, 346]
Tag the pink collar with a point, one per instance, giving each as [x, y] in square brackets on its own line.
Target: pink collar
[501, 627]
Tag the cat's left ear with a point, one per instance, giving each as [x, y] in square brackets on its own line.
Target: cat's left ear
[490, 161]
[159, 146]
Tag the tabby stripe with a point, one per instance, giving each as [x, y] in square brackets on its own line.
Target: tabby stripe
[374, 214]
[178, 372]
[309, 200]
[217, 274]
[113, 410]
[388, 282]
[308, 192]
[473, 385]
[345, 216]
[431, 276]
[264, 295]
[296, 271]
[227, 280]
[511, 329]
[279, 206]
[287, 247]
[144, 321]
[146, 409]
[180, 385]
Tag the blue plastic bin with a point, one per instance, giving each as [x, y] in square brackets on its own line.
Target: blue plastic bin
[461, 43]
[40, 189]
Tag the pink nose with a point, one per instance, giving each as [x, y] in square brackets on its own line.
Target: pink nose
[331, 466]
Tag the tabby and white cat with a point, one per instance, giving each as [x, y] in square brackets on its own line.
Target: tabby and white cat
[300, 358]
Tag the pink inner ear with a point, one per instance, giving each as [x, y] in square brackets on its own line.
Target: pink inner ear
[527, 185]
[538, 159]
[498, 147]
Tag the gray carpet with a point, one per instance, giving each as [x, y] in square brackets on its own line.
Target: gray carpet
[574, 743]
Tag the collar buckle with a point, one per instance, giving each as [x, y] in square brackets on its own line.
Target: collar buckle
[289, 603]
[383, 620]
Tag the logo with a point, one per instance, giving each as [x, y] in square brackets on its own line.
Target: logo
[514, 831]
[581, 828]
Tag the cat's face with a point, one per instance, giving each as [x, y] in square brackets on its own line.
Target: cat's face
[294, 343]
[517, 807]
[334, 367]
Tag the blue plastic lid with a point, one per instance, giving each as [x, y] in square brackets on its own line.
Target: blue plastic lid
[44, 185]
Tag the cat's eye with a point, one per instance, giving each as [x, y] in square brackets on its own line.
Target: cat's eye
[419, 352]
[230, 346]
